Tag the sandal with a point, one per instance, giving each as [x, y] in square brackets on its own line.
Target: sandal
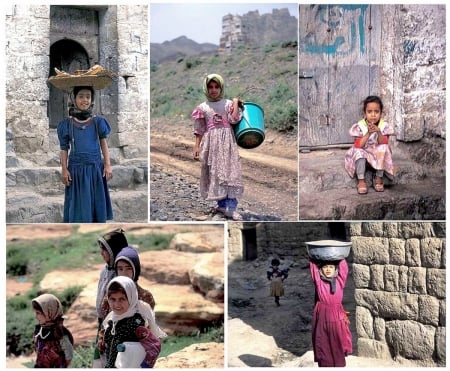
[362, 187]
[378, 184]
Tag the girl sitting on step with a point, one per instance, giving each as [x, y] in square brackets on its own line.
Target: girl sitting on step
[371, 146]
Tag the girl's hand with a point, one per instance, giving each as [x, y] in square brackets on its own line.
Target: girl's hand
[66, 178]
[107, 172]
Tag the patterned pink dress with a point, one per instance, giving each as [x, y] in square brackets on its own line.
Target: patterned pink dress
[221, 175]
[379, 156]
[331, 336]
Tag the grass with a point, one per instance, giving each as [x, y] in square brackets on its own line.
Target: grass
[264, 75]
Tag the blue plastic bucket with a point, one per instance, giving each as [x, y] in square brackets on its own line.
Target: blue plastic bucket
[249, 131]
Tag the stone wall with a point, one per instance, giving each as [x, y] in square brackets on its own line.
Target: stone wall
[400, 289]
[284, 240]
[413, 79]
[123, 47]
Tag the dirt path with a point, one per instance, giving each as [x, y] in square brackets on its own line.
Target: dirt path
[270, 175]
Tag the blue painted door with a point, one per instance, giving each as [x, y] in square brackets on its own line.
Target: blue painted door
[338, 67]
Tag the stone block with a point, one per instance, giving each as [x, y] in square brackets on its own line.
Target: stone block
[436, 283]
[417, 283]
[364, 323]
[428, 310]
[372, 229]
[397, 251]
[403, 279]
[373, 349]
[379, 328]
[370, 250]
[391, 230]
[361, 276]
[388, 304]
[417, 229]
[355, 229]
[412, 252]
[410, 339]
[431, 252]
[391, 278]
[442, 312]
[377, 277]
[441, 345]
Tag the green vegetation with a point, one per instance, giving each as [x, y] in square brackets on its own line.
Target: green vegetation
[264, 75]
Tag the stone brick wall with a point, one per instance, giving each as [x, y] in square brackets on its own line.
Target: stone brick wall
[399, 272]
[123, 47]
[413, 75]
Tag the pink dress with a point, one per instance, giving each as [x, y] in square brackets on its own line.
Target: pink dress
[221, 175]
[331, 336]
[379, 156]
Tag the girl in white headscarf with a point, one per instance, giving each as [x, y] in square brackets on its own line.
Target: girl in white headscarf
[130, 320]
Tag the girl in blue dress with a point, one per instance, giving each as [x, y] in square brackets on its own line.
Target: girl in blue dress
[83, 141]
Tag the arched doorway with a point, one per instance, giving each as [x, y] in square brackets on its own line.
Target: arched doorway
[69, 56]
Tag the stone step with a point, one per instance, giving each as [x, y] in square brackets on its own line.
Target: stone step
[47, 180]
[321, 171]
[415, 201]
[130, 206]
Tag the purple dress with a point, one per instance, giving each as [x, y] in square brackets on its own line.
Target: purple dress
[221, 175]
[331, 336]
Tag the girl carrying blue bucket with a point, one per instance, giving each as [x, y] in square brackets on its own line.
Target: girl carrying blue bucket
[216, 147]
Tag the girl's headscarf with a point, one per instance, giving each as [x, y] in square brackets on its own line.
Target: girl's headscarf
[219, 80]
[130, 255]
[51, 308]
[135, 306]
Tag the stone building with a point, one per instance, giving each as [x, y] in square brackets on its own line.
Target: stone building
[42, 37]
[255, 29]
[398, 270]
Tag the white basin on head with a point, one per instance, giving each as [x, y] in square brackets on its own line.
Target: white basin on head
[328, 250]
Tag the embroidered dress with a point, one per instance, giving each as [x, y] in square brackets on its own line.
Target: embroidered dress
[221, 175]
[52, 351]
[379, 156]
[87, 198]
[331, 336]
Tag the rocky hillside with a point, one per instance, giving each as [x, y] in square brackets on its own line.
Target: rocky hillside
[178, 48]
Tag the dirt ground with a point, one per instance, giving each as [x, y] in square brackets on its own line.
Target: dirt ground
[270, 175]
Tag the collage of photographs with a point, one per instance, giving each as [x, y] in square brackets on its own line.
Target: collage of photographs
[194, 185]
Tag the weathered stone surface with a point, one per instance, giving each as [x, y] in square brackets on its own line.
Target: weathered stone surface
[370, 250]
[208, 276]
[364, 323]
[396, 251]
[373, 349]
[198, 242]
[412, 249]
[388, 305]
[379, 329]
[441, 345]
[417, 283]
[361, 276]
[431, 252]
[195, 356]
[436, 283]
[428, 310]
[377, 277]
[410, 339]
[391, 277]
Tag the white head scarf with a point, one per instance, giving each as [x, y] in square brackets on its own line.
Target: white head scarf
[135, 306]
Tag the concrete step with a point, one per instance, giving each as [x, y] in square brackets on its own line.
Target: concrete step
[324, 170]
[46, 181]
[130, 206]
[415, 201]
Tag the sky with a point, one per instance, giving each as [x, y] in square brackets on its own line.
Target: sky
[201, 22]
